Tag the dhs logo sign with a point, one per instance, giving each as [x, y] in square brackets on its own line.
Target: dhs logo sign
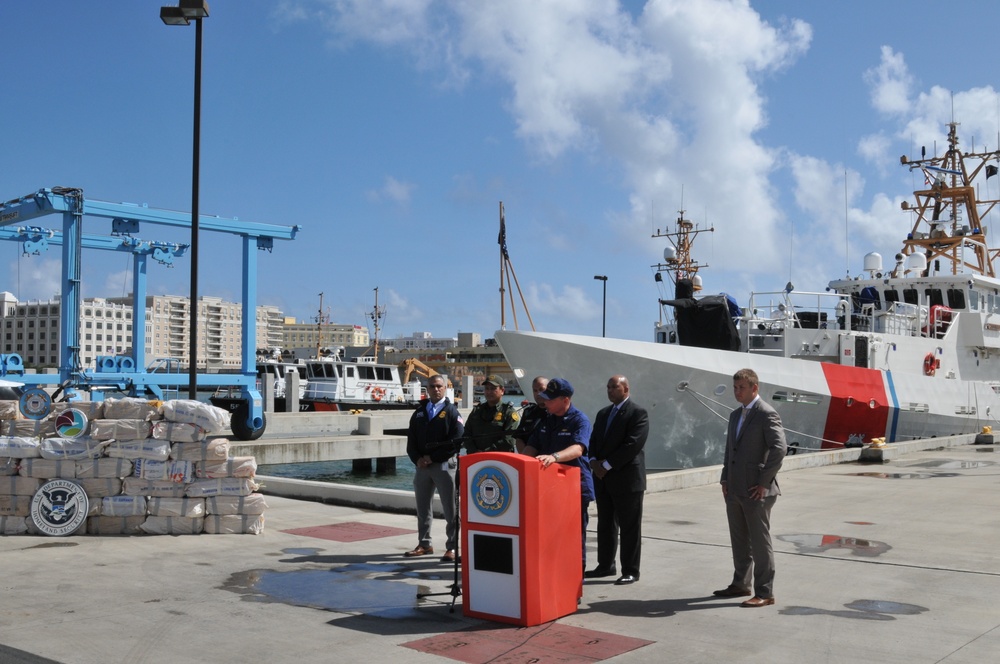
[59, 508]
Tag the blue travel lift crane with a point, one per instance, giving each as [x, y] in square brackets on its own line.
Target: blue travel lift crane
[128, 373]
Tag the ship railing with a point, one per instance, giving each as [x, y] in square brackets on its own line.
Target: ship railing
[900, 318]
[798, 309]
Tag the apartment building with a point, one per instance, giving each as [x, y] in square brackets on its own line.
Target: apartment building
[31, 329]
[303, 339]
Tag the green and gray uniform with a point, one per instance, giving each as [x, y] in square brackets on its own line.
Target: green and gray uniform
[490, 428]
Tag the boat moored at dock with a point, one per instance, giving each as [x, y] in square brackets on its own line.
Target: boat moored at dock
[899, 352]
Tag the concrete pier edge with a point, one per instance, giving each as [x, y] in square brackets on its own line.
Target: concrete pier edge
[401, 501]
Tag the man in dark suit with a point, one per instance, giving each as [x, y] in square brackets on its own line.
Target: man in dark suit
[755, 448]
[618, 462]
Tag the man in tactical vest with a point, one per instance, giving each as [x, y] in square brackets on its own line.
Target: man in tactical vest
[492, 422]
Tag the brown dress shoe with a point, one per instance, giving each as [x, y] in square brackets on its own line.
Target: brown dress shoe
[419, 551]
[449, 556]
[731, 591]
[755, 601]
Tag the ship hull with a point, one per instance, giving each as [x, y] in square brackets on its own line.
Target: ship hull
[688, 393]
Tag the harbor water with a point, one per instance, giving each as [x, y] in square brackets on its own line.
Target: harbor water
[341, 472]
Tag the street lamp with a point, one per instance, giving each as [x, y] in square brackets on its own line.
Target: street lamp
[604, 305]
[187, 11]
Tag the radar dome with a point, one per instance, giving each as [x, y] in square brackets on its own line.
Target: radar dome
[916, 262]
[873, 262]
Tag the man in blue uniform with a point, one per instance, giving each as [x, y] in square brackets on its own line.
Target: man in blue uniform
[562, 437]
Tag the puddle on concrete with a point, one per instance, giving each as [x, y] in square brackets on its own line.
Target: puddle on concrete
[810, 543]
[906, 476]
[861, 609]
[953, 464]
[373, 590]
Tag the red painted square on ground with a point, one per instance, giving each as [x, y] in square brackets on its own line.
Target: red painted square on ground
[543, 643]
[351, 531]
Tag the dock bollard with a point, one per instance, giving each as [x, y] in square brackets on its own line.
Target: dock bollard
[370, 425]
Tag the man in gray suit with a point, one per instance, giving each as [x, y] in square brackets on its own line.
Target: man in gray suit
[755, 448]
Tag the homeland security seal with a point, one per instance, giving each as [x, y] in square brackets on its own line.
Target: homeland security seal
[71, 423]
[491, 491]
[59, 508]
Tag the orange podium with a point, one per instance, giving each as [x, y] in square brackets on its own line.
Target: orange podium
[520, 538]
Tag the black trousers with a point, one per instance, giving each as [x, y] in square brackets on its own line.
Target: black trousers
[619, 516]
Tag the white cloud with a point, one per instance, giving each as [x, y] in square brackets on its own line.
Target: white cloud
[401, 309]
[890, 83]
[569, 303]
[35, 278]
[874, 148]
[394, 190]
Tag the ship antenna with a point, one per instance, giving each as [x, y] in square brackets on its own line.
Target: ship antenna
[321, 318]
[847, 230]
[791, 251]
[377, 314]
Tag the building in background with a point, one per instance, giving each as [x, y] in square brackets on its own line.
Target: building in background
[457, 357]
[31, 329]
[304, 340]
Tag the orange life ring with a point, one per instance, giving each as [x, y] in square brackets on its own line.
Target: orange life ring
[377, 393]
[930, 364]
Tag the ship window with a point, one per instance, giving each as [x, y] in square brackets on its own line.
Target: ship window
[367, 373]
[934, 297]
[891, 296]
[910, 296]
[956, 298]
[384, 373]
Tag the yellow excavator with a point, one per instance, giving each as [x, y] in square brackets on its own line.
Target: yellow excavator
[412, 366]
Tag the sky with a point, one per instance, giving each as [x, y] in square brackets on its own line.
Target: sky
[392, 130]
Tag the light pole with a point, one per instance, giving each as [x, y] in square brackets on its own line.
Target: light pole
[187, 11]
[604, 304]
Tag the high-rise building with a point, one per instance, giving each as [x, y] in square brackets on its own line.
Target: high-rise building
[31, 329]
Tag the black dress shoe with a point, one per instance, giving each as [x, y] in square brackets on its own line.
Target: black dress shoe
[600, 572]
[627, 579]
[732, 591]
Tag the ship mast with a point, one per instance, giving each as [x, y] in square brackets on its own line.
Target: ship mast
[506, 274]
[678, 262]
[949, 217]
[377, 314]
[321, 318]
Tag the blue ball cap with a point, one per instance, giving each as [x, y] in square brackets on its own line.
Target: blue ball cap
[558, 387]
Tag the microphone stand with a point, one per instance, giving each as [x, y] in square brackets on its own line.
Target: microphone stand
[456, 586]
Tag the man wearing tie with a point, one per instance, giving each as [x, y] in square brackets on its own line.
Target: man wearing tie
[618, 462]
[755, 448]
[431, 443]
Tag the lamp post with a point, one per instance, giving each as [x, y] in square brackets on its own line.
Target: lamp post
[604, 304]
[187, 11]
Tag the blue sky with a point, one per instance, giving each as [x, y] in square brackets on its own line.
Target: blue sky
[390, 130]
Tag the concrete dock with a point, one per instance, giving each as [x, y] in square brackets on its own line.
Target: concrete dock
[885, 562]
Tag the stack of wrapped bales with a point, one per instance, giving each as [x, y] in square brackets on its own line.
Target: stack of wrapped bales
[145, 466]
